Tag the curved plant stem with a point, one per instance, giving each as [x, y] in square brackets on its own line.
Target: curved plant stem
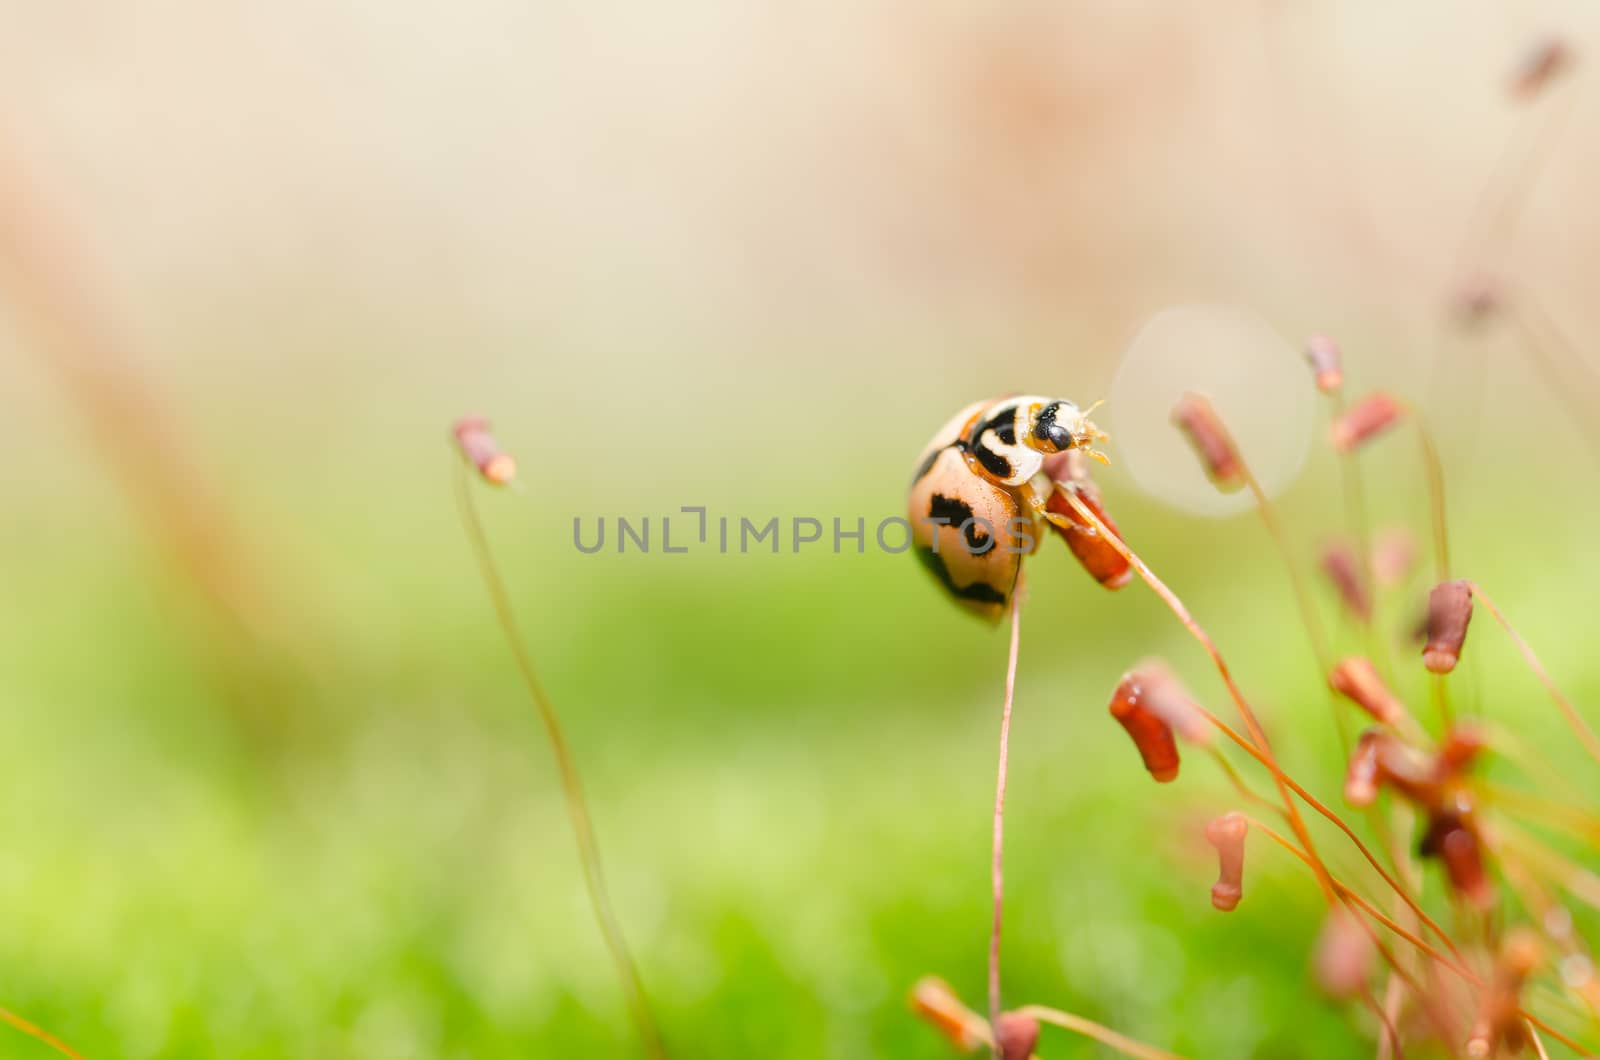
[1350, 896]
[1585, 734]
[1265, 755]
[1538, 1043]
[39, 1034]
[996, 868]
[1433, 468]
[572, 788]
[1338, 822]
[1256, 746]
[1104, 1035]
[1491, 227]
[1460, 969]
[1302, 595]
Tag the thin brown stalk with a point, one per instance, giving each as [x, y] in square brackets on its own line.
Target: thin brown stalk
[1460, 969]
[1338, 822]
[1302, 595]
[38, 1033]
[47, 279]
[1492, 224]
[1576, 880]
[572, 788]
[997, 870]
[1263, 752]
[1540, 340]
[1538, 1043]
[1175, 605]
[1245, 791]
[1391, 1033]
[1268, 513]
[1509, 744]
[1433, 469]
[1355, 499]
[1393, 998]
[1349, 894]
[1570, 819]
[1504, 204]
[1360, 529]
[1104, 1035]
[1585, 734]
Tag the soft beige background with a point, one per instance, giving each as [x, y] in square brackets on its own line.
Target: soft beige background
[346, 201]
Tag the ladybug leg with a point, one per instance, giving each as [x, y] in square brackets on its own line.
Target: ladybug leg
[1037, 501]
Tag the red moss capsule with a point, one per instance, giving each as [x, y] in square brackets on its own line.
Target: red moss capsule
[1160, 690]
[1068, 472]
[1227, 833]
[1016, 1035]
[1344, 954]
[1453, 839]
[479, 447]
[1323, 355]
[1340, 565]
[1361, 778]
[934, 1001]
[1449, 613]
[1367, 419]
[1200, 424]
[1357, 680]
[1150, 734]
[1540, 65]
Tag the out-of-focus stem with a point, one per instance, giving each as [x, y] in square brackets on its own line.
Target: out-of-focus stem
[1433, 468]
[1544, 911]
[1338, 822]
[1355, 499]
[1360, 526]
[1494, 219]
[38, 1033]
[996, 867]
[1104, 1035]
[1459, 968]
[572, 787]
[1572, 878]
[1540, 339]
[46, 277]
[1585, 734]
[1570, 819]
[1348, 893]
[1302, 595]
[1174, 604]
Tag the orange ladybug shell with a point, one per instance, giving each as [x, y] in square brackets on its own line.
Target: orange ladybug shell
[976, 552]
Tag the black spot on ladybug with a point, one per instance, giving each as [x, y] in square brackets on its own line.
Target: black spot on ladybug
[981, 592]
[959, 513]
[992, 462]
[1004, 425]
[927, 465]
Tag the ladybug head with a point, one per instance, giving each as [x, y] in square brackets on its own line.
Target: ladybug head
[1061, 425]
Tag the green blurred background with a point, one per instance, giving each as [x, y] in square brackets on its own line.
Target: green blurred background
[268, 784]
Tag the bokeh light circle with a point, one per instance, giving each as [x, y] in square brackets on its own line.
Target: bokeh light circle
[1255, 377]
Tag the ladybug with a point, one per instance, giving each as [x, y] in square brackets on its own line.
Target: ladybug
[978, 496]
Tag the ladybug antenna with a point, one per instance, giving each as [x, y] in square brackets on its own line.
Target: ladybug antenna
[1094, 433]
